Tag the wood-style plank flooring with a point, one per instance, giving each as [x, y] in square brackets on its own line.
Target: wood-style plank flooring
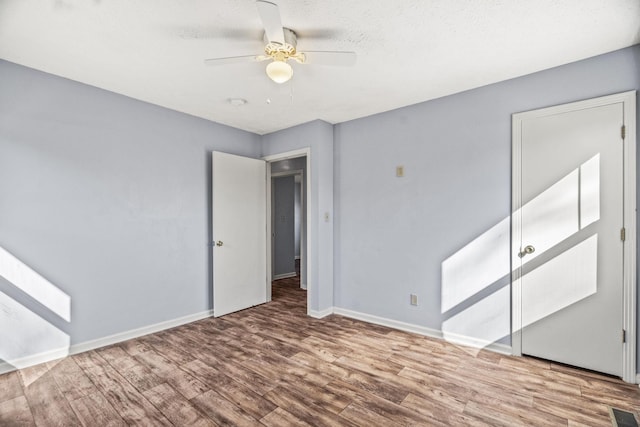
[274, 366]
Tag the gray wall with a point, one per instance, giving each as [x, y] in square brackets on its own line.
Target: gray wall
[283, 225]
[108, 199]
[393, 234]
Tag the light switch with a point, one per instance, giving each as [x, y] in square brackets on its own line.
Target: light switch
[400, 171]
[326, 217]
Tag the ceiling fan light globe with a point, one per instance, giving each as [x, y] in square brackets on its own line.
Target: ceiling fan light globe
[279, 71]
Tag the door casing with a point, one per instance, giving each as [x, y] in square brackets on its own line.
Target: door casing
[629, 221]
[306, 249]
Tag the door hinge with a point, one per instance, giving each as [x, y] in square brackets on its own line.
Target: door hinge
[623, 131]
[623, 234]
[624, 336]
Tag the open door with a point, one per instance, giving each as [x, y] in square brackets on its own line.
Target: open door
[239, 224]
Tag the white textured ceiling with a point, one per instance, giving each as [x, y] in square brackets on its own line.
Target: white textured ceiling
[409, 51]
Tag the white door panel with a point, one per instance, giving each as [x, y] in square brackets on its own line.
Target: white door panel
[239, 230]
[551, 217]
[572, 211]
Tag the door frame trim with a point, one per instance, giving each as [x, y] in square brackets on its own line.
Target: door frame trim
[628, 99]
[302, 152]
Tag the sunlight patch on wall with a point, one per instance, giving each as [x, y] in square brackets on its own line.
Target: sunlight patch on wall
[479, 264]
[34, 285]
[24, 335]
[562, 210]
[486, 321]
[26, 338]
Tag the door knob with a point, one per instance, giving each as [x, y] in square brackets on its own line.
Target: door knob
[527, 250]
[219, 243]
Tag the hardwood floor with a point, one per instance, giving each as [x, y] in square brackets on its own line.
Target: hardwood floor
[274, 366]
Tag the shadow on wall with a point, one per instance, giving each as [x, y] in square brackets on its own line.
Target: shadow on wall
[26, 338]
[475, 294]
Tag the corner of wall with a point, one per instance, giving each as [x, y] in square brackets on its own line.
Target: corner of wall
[316, 135]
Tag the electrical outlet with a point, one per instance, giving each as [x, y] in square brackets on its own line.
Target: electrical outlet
[414, 299]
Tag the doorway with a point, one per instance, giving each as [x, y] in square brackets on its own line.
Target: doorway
[236, 237]
[573, 240]
[288, 187]
[288, 214]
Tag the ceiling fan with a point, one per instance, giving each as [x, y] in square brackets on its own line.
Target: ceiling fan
[281, 46]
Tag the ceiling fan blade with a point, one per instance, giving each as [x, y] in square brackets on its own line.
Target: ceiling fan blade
[343, 59]
[235, 59]
[270, 15]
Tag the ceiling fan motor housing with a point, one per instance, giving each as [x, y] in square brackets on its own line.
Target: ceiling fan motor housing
[282, 52]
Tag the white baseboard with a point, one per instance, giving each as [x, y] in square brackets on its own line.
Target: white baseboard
[423, 330]
[284, 276]
[168, 324]
[135, 333]
[33, 359]
[48, 356]
[383, 321]
[320, 314]
[476, 343]
[497, 347]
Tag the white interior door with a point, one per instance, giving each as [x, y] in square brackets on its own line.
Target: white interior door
[570, 253]
[239, 231]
